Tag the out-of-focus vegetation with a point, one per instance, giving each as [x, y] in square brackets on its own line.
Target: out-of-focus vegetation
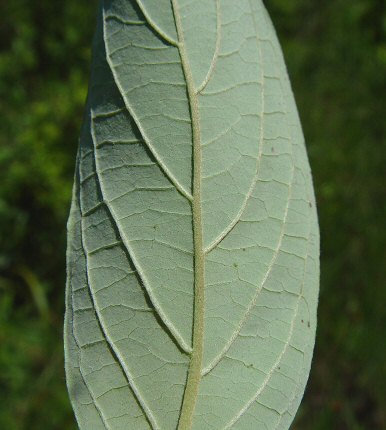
[44, 62]
[336, 55]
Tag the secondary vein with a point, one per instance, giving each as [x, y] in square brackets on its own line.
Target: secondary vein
[194, 372]
[236, 418]
[69, 325]
[154, 26]
[157, 307]
[216, 51]
[116, 353]
[130, 109]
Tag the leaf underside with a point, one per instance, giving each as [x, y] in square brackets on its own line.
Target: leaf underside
[192, 239]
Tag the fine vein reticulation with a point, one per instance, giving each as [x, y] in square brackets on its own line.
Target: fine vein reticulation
[192, 239]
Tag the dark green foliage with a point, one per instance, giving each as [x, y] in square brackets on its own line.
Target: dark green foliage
[44, 66]
[336, 55]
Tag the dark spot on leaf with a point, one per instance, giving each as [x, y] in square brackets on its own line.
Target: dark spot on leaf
[272, 149]
[235, 265]
[308, 324]
[310, 204]
[302, 321]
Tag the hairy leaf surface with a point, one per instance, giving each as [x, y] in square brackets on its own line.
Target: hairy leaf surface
[192, 240]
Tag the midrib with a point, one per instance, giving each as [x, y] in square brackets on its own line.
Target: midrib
[194, 372]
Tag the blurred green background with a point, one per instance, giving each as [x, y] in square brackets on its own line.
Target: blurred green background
[336, 56]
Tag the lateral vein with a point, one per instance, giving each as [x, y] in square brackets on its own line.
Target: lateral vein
[115, 350]
[216, 51]
[157, 307]
[154, 26]
[277, 362]
[146, 139]
[252, 187]
[70, 326]
[252, 303]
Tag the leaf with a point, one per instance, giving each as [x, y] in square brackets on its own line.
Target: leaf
[192, 240]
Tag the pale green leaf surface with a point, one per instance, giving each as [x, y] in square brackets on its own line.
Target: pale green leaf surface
[193, 239]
